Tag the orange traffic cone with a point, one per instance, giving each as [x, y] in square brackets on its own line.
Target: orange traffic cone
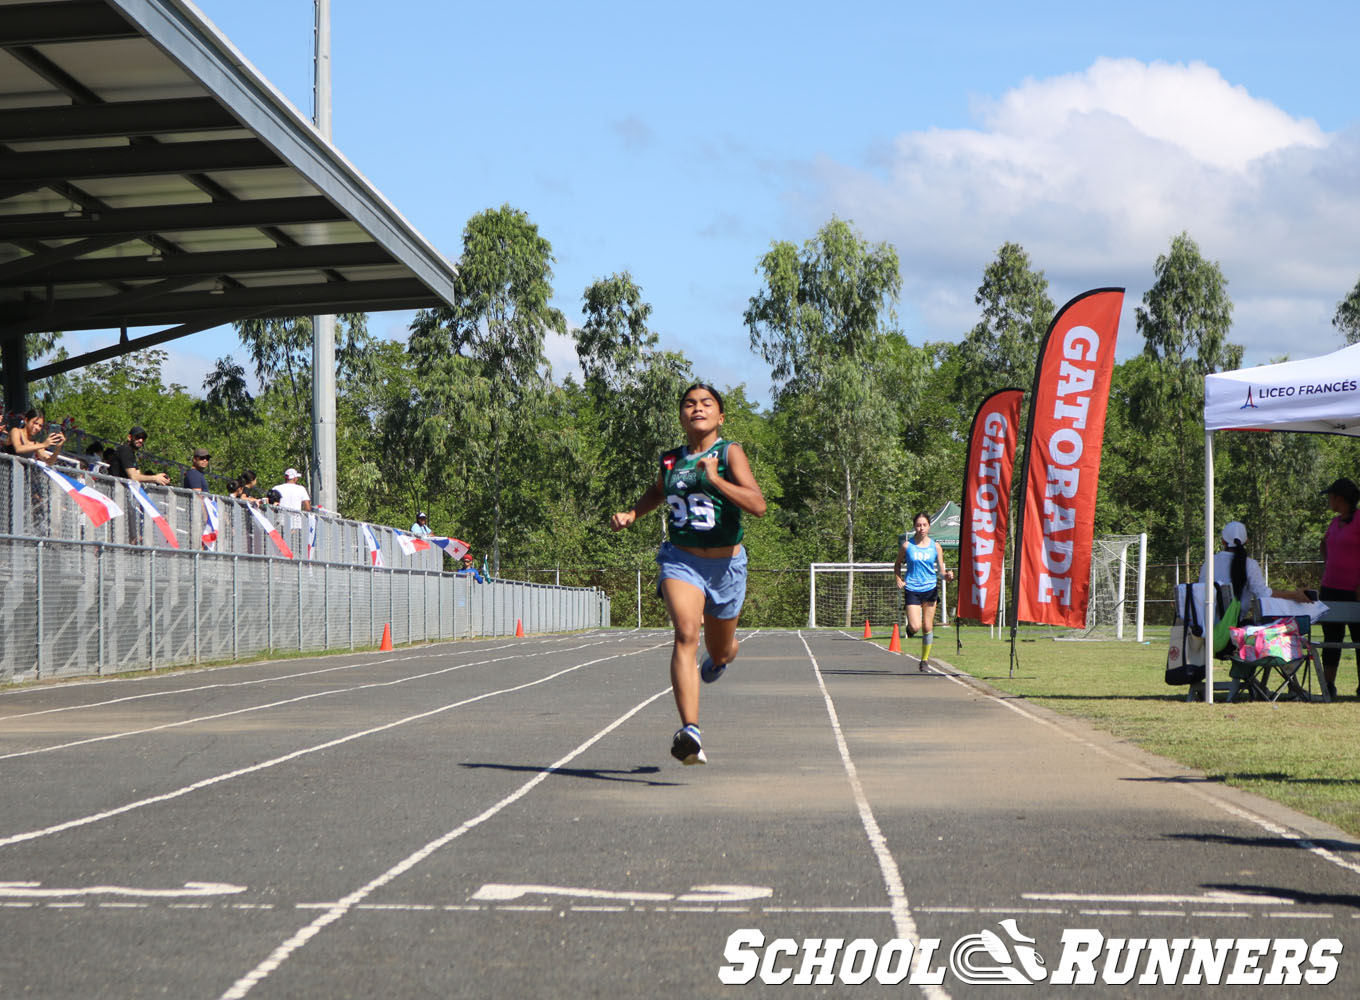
[866, 628]
[519, 629]
[387, 636]
[895, 644]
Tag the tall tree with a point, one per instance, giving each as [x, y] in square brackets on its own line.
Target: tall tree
[822, 320]
[1002, 349]
[487, 347]
[634, 385]
[1185, 319]
[1347, 317]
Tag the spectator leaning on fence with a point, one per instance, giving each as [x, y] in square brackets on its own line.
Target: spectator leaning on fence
[421, 529]
[293, 494]
[125, 464]
[469, 569]
[196, 478]
[22, 440]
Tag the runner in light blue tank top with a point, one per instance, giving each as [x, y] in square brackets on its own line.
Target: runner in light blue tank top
[924, 560]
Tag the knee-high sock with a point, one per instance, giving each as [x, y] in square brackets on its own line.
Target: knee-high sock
[927, 640]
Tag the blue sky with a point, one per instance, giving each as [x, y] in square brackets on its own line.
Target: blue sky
[677, 142]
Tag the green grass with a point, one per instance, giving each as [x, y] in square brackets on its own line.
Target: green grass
[1297, 753]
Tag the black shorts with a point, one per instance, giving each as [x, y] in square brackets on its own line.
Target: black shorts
[910, 597]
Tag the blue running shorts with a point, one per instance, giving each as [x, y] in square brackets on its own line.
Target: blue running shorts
[723, 580]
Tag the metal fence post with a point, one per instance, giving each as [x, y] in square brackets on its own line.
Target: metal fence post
[99, 604]
[235, 608]
[269, 603]
[299, 606]
[37, 619]
[196, 603]
[151, 632]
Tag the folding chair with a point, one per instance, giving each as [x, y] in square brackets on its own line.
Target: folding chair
[1295, 676]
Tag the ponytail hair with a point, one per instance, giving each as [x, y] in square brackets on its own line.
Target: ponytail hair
[1237, 570]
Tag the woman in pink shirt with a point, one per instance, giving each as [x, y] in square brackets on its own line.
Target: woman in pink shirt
[1340, 571]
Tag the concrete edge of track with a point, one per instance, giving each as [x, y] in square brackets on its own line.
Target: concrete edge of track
[1079, 729]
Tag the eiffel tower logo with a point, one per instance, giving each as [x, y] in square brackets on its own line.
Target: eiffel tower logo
[1248, 405]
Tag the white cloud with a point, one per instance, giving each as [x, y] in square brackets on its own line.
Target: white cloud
[1094, 173]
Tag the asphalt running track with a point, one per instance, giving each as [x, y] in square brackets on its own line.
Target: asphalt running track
[502, 818]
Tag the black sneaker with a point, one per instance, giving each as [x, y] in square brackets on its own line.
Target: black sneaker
[686, 747]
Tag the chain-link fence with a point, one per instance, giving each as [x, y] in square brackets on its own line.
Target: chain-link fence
[73, 608]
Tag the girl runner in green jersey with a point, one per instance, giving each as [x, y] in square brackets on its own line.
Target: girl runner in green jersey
[706, 483]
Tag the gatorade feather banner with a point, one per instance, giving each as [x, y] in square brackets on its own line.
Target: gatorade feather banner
[987, 504]
[1062, 460]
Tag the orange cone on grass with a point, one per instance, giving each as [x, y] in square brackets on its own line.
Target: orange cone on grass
[387, 636]
[519, 629]
[895, 644]
[866, 628]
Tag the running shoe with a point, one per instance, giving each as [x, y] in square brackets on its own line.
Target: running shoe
[686, 747]
[921, 665]
[710, 671]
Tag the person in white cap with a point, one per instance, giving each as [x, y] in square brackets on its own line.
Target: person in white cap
[1234, 567]
[292, 494]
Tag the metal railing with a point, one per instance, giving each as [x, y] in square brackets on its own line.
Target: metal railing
[32, 505]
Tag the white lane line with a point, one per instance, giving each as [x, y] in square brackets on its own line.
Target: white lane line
[338, 909]
[282, 702]
[18, 838]
[205, 687]
[414, 653]
[1255, 819]
[903, 924]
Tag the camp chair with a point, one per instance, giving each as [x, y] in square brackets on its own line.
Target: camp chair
[1294, 677]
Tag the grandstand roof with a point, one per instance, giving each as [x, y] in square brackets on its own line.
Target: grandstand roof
[150, 176]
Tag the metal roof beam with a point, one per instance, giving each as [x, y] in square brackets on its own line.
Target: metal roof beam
[204, 265]
[170, 218]
[47, 23]
[205, 322]
[72, 311]
[49, 256]
[382, 295]
[135, 161]
[114, 119]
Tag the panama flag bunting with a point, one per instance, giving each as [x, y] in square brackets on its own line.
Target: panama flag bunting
[374, 552]
[272, 532]
[455, 547]
[153, 512]
[97, 507]
[209, 524]
[311, 536]
[410, 544]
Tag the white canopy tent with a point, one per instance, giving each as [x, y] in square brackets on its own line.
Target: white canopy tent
[1316, 396]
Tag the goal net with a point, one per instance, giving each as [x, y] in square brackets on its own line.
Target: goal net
[1118, 583]
[846, 595]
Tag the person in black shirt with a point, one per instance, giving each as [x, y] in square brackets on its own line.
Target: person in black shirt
[125, 464]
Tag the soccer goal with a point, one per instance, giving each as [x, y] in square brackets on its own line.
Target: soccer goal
[843, 595]
[1118, 589]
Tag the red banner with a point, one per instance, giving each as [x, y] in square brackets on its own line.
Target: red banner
[987, 504]
[1062, 459]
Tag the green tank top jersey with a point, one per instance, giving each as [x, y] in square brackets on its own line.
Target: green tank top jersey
[700, 516]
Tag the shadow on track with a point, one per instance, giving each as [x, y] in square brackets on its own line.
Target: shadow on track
[586, 772]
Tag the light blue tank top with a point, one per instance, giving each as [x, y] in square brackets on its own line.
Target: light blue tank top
[920, 572]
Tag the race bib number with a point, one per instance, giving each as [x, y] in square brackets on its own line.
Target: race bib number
[697, 511]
